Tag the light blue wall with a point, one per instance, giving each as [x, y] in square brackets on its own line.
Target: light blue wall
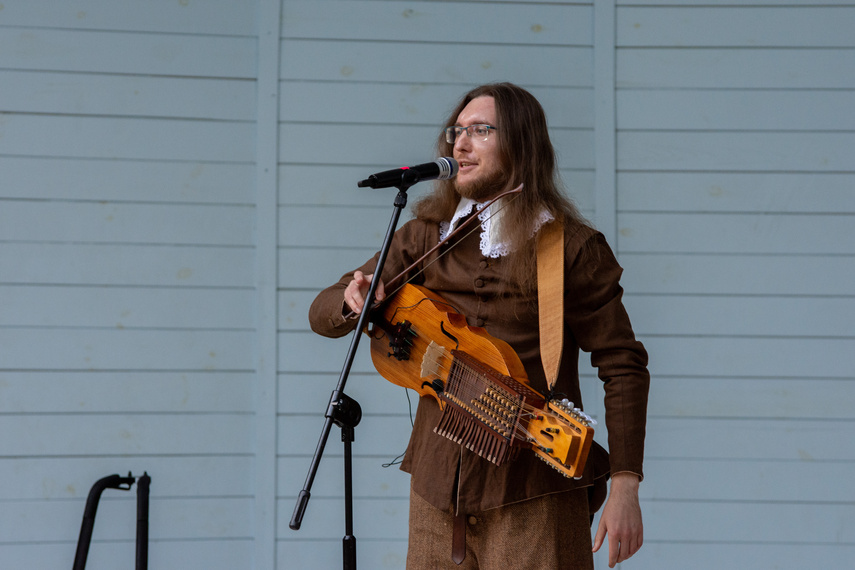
[127, 289]
[177, 180]
[736, 169]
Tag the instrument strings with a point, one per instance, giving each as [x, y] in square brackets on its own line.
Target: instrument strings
[474, 384]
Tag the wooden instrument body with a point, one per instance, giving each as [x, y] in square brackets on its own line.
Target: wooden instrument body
[432, 315]
[414, 337]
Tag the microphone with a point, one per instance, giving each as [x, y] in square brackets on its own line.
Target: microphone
[441, 169]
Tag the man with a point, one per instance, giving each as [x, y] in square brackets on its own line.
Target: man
[521, 514]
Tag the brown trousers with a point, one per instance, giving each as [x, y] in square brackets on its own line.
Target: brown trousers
[549, 532]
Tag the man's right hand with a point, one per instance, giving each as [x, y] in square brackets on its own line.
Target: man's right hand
[354, 294]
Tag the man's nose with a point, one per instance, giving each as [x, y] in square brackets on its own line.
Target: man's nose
[463, 141]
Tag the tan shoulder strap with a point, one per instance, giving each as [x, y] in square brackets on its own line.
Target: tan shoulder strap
[550, 297]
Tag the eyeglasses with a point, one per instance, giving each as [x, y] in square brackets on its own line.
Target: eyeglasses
[480, 132]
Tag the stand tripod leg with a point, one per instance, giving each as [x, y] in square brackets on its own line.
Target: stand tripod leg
[349, 541]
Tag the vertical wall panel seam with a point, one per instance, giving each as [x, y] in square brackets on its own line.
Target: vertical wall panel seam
[605, 162]
[267, 152]
[605, 135]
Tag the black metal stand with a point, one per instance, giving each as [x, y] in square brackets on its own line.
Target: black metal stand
[143, 485]
[343, 410]
[348, 413]
[88, 524]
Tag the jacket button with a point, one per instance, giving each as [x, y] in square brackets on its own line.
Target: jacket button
[480, 322]
[479, 282]
[473, 520]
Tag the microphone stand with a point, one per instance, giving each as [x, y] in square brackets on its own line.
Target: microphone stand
[344, 411]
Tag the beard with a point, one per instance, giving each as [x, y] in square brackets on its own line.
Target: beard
[482, 189]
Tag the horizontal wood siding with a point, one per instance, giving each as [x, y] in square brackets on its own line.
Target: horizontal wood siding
[179, 180]
[127, 248]
[735, 226]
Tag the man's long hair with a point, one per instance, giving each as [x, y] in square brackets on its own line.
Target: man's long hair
[528, 158]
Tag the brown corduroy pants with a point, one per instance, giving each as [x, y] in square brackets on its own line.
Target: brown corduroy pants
[551, 532]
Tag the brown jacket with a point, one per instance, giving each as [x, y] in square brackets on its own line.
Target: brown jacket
[595, 321]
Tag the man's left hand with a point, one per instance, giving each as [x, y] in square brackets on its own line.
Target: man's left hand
[621, 519]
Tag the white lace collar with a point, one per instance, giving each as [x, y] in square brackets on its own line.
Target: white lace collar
[492, 217]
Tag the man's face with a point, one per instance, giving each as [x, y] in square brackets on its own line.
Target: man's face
[481, 175]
